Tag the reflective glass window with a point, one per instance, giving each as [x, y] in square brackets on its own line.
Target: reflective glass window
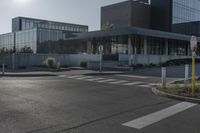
[186, 11]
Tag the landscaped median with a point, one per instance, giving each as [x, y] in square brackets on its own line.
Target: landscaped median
[179, 91]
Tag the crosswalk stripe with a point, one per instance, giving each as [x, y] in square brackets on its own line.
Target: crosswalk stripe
[158, 116]
[94, 79]
[134, 83]
[76, 76]
[62, 76]
[118, 82]
[106, 80]
[85, 77]
[133, 76]
[109, 81]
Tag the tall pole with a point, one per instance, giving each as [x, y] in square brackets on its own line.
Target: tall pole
[193, 44]
[193, 76]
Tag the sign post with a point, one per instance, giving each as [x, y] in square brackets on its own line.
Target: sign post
[193, 44]
[100, 54]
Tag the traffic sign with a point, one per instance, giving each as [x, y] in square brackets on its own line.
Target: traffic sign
[193, 43]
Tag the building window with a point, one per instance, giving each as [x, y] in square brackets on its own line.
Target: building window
[186, 11]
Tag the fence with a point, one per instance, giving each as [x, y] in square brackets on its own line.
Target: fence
[150, 59]
[29, 60]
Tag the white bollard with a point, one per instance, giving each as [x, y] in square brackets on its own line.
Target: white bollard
[100, 65]
[186, 73]
[3, 69]
[164, 77]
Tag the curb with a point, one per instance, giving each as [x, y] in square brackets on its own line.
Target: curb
[93, 74]
[176, 97]
[27, 75]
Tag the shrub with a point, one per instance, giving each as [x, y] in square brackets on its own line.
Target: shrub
[50, 62]
[83, 64]
[139, 65]
[152, 65]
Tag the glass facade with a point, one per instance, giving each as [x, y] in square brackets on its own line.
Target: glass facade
[41, 36]
[53, 41]
[6, 43]
[21, 23]
[119, 45]
[49, 41]
[185, 11]
[155, 46]
[180, 48]
[26, 41]
[40, 41]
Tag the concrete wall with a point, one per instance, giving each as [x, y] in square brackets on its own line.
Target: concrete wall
[117, 14]
[150, 59]
[29, 60]
[161, 15]
[127, 13]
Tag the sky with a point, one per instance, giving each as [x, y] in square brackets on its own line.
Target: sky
[86, 12]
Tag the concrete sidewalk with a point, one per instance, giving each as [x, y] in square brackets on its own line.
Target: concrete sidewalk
[57, 73]
[27, 74]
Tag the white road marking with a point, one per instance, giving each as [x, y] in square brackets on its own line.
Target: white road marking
[62, 76]
[133, 76]
[158, 116]
[147, 86]
[106, 80]
[94, 79]
[76, 76]
[85, 77]
[133, 83]
[118, 82]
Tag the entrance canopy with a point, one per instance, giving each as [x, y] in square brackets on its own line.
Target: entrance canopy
[132, 31]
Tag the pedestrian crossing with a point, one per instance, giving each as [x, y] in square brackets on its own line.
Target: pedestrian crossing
[108, 80]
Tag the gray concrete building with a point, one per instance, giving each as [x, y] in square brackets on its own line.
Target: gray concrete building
[128, 13]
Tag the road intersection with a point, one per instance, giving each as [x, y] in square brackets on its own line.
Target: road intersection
[78, 103]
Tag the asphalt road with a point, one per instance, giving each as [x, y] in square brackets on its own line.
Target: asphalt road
[81, 104]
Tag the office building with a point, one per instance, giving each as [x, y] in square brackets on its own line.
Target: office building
[40, 36]
[146, 29]
[142, 31]
[180, 16]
